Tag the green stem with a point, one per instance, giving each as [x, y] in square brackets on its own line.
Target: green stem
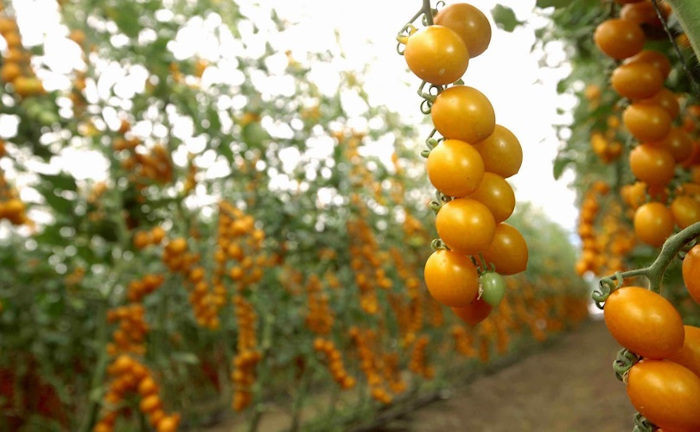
[688, 14]
[427, 11]
[670, 249]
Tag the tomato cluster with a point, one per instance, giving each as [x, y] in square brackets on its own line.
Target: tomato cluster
[649, 116]
[468, 166]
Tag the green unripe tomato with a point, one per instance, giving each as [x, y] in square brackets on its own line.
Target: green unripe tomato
[492, 287]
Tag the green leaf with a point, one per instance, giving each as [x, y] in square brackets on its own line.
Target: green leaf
[559, 165]
[505, 18]
[60, 181]
[552, 3]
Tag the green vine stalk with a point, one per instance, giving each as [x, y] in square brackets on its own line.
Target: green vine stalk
[688, 14]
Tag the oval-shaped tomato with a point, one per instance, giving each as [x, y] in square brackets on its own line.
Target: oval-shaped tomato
[508, 250]
[653, 223]
[451, 278]
[465, 225]
[619, 38]
[644, 322]
[455, 168]
[651, 164]
[666, 393]
[436, 54]
[463, 113]
[493, 288]
[648, 123]
[501, 152]
[685, 210]
[496, 194]
[477, 311]
[637, 80]
[691, 272]
[689, 354]
[469, 23]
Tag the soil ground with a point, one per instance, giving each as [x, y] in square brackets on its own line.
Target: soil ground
[567, 387]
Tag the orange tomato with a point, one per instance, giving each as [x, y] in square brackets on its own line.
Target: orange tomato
[463, 113]
[685, 211]
[647, 122]
[469, 23]
[637, 80]
[644, 322]
[666, 393]
[496, 194]
[689, 354]
[436, 54]
[691, 272]
[501, 152]
[465, 225]
[455, 168]
[651, 164]
[653, 223]
[451, 278]
[508, 250]
[619, 38]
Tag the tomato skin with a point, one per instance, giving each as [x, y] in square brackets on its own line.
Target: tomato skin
[644, 322]
[451, 278]
[691, 272]
[641, 12]
[653, 223]
[496, 194]
[501, 152]
[455, 168]
[685, 211]
[653, 165]
[656, 58]
[437, 55]
[648, 123]
[679, 144]
[619, 38]
[463, 113]
[666, 393]
[666, 99]
[637, 80]
[469, 23]
[689, 354]
[508, 251]
[465, 225]
[474, 313]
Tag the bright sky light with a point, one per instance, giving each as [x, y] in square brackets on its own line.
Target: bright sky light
[508, 73]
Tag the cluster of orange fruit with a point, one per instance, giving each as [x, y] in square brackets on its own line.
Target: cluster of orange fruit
[153, 237]
[334, 362]
[365, 341]
[247, 356]
[661, 147]
[139, 288]
[131, 334]
[418, 363]
[16, 69]
[130, 377]
[366, 264]
[319, 318]
[468, 166]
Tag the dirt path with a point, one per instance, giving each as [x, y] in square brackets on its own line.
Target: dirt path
[567, 388]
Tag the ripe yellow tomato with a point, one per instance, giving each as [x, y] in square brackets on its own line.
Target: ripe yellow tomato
[644, 322]
[469, 23]
[451, 278]
[455, 168]
[436, 54]
[465, 225]
[463, 113]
